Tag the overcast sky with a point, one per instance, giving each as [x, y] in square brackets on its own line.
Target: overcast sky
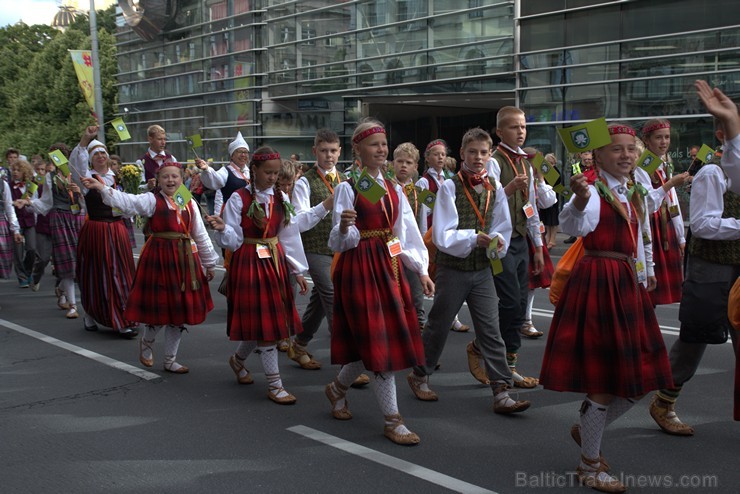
[29, 11]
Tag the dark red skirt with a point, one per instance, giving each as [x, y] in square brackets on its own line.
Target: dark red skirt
[374, 318]
[668, 264]
[105, 271]
[260, 302]
[544, 278]
[604, 336]
[158, 297]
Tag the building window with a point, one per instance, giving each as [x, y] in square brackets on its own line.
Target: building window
[307, 33]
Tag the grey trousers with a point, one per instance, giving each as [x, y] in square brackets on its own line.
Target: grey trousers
[321, 301]
[417, 295]
[453, 287]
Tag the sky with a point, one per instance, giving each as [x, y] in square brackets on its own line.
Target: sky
[29, 11]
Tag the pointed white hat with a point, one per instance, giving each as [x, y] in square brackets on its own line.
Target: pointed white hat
[237, 143]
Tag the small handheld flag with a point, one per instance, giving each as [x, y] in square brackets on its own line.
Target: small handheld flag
[182, 196]
[549, 172]
[705, 154]
[585, 137]
[428, 198]
[648, 161]
[194, 141]
[31, 188]
[60, 161]
[120, 128]
[368, 188]
[563, 191]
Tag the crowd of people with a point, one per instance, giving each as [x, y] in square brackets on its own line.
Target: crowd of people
[379, 237]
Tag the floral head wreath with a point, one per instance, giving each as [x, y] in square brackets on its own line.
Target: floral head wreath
[265, 156]
[653, 127]
[367, 133]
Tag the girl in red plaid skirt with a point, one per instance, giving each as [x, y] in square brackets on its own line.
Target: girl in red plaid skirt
[256, 226]
[375, 325]
[604, 340]
[170, 288]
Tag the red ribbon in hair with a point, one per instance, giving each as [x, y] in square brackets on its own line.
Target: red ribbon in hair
[621, 129]
[653, 127]
[265, 156]
[170, 163]
[436, 142]
[367, 133]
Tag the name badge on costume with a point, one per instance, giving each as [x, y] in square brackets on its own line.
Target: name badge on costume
[528, 210]
[116, 212]
[641, 273]
[542, 227]
[75, 208]
[263, 251]
[394, 246]
[673, 211]
[193, 247]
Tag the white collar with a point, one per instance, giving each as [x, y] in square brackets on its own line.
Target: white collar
[518, 150]
[153, 154]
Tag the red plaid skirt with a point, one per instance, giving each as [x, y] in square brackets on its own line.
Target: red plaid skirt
[543, 279]
[604, 336]
[6, 248]
[668, 264]
[105, 271]
[157, 297]
[374, 319]
[65, 229]
[259, 300]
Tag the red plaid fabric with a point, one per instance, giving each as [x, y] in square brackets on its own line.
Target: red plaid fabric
[374, 319]
[6, 248]
[105, 271]
[668, 266]
[543, 279]
[259, 300]
[604, 336]
[65, 229]
[156, 297]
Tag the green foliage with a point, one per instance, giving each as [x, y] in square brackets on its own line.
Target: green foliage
[41, 99]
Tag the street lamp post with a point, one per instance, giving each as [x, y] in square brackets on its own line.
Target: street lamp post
[96, 72]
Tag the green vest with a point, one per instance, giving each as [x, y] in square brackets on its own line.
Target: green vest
[468, 220]
[519, 199]
[720, 251]
[315, 240]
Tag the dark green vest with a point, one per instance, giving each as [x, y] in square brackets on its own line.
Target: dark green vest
[468, 220]
[720, 251]
[316, 239]
[519, 198]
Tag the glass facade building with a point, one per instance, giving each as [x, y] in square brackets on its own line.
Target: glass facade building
[277, 70]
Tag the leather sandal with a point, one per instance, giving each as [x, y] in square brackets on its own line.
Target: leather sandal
[575, 433]
[529, 331]
[665, 416]
[523, 382]
[170, 367]
[462, 328]
[341, 393]
[72, 312]
[474, 358]
[499, 402]
[273, 393]
[595, 477]
[360, 381]
[389, 431]
[238, 366]
[298, 353]
[415, 383]
[145, 345]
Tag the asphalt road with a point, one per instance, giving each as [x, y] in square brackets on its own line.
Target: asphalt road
[78, 413]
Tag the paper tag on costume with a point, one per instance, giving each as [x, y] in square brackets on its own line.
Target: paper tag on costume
[75, 208]
[194, 247]
[497, 266]
[116, 212]
[528, 210]
[394, 246]
[263, 251]
[641, 273]
[673, 211]
[542, 227]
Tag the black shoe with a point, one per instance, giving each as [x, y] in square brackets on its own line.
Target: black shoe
[570, 240]
[128, 333]
[94, 327]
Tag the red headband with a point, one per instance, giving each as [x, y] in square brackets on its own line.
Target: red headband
[621, 129]
[658, 125]
[170, 163]
[436, 142]
[367, 133]
[266, 157]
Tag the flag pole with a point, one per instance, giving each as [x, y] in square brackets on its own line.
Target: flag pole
[96, 72]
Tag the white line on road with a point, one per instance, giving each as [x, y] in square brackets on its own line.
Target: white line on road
[101, 359]
[390, 461]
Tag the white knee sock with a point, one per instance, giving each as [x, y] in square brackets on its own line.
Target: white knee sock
[68, 285]
[593, 422]
[150, 333]
[172, 337]
[245, 349]
[530, 304]
[269, 357]
[349, 372]
[384, 386]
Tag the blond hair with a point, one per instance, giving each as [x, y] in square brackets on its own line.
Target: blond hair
[25, 168]
[407, 148]
[154, 130]
[505, 113]
[474, 135]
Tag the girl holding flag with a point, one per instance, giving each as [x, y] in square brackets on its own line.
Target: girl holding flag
[375, 325]
[170, 288]
[23, 187]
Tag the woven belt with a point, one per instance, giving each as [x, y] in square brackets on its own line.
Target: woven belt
[184, 255]
[271, 243]
[610, 254]
[386, 234]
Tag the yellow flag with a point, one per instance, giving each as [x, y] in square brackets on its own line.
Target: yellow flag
[705, 154]
[82, 61]
[121, 129]
[586, 136]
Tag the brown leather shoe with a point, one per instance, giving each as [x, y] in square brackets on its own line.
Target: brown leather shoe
[529, 331]
[169, 367]
[415, 383]
[298, 353]
[463, 328]
[594, 476]
[389, 431]
[500, 405]
[237, 366]
[523, 382]
[575, 433]
[665, 416]
[145, 345]
[362, 380]
[342, 413]
[474, 364]
[289, 399]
